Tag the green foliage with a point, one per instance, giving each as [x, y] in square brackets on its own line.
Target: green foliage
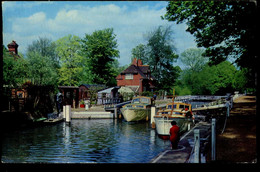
[68, 50]
[46, 48]
[181, 91]
[42, 62]
[193, 59]
[147, 93]
[160, 56]
[218, 79]
[41, 70]
[228, 31]
[14, 69]
[100, 51]
[140, 52]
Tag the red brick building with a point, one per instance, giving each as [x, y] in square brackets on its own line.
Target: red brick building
[137, 77]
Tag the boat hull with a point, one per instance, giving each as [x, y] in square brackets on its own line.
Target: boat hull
[163, 125]
[133, 114]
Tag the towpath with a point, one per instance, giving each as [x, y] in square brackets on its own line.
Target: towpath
[238, 142]
[184, 153]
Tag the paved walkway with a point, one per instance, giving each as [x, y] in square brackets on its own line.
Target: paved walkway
[185, 146]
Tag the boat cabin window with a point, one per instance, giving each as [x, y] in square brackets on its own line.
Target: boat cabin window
[184, 107]
[170, 106]
[141, 100]
[136, 100]
[144, 100]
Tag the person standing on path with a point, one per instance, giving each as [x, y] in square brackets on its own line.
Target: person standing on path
[174, 135]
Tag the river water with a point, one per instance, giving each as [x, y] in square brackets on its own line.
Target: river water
[84, 141]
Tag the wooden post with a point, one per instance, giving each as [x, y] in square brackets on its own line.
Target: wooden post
[213, 139]
[197, 146]
[64, 112]
[115, 112]
[153, 109]
[68, 113]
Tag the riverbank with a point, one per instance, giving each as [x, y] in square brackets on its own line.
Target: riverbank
[238, 142]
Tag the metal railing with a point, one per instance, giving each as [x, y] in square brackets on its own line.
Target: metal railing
[199, 97]
[195, 154]
[110, 102]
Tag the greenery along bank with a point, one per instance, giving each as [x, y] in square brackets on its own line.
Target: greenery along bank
[227, 33]
[229, 56]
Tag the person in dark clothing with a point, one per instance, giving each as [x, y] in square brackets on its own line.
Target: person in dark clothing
[174, 135]
[154, 96]
[58, 102]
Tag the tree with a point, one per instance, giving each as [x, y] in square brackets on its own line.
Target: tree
[193, 59]
[100, 51]
[41, 70]
[46, 48]
[14, 69]
[68, 50]
[217, 79]
[139, 52]
[161, 55]
[43, 62]
[227, 31]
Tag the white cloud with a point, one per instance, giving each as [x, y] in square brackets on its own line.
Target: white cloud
[129, 25]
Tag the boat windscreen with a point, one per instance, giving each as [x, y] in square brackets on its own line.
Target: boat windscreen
[140, 100]
[170, 106]
[144, 100]
[137, 100]
[184, 107]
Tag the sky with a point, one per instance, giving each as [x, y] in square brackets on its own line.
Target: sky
[26, 21]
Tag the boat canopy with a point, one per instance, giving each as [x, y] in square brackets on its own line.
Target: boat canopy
[178, 105]
[141, 100]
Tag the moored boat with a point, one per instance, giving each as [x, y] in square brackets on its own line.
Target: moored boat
[175, 111]
[139, 109]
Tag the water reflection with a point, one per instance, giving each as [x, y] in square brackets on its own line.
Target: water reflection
[105, 141]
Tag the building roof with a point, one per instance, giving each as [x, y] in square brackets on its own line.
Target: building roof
[142, 70]
[108, 90]
[92, 85]
[72, 87]
[135, 68]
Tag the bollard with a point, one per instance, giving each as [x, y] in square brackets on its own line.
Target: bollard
[115, 112]
[197, 146]
[153, 109]
[86, 106]
[228, 109]
[64, 112]
[68, 113]
[189, 127]
[213, 139]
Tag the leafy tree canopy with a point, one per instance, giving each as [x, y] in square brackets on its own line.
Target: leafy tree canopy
[100, 51]
[41, 70]
[193, 59]
[68, 50]
[14, 69]
[218, 79]
[161, 55]
[140, 52]
[224, 28]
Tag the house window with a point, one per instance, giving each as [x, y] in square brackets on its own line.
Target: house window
[129, 76]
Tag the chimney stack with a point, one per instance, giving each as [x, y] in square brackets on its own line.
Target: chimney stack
[137, 62]
[13, 47]
[134, 62]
